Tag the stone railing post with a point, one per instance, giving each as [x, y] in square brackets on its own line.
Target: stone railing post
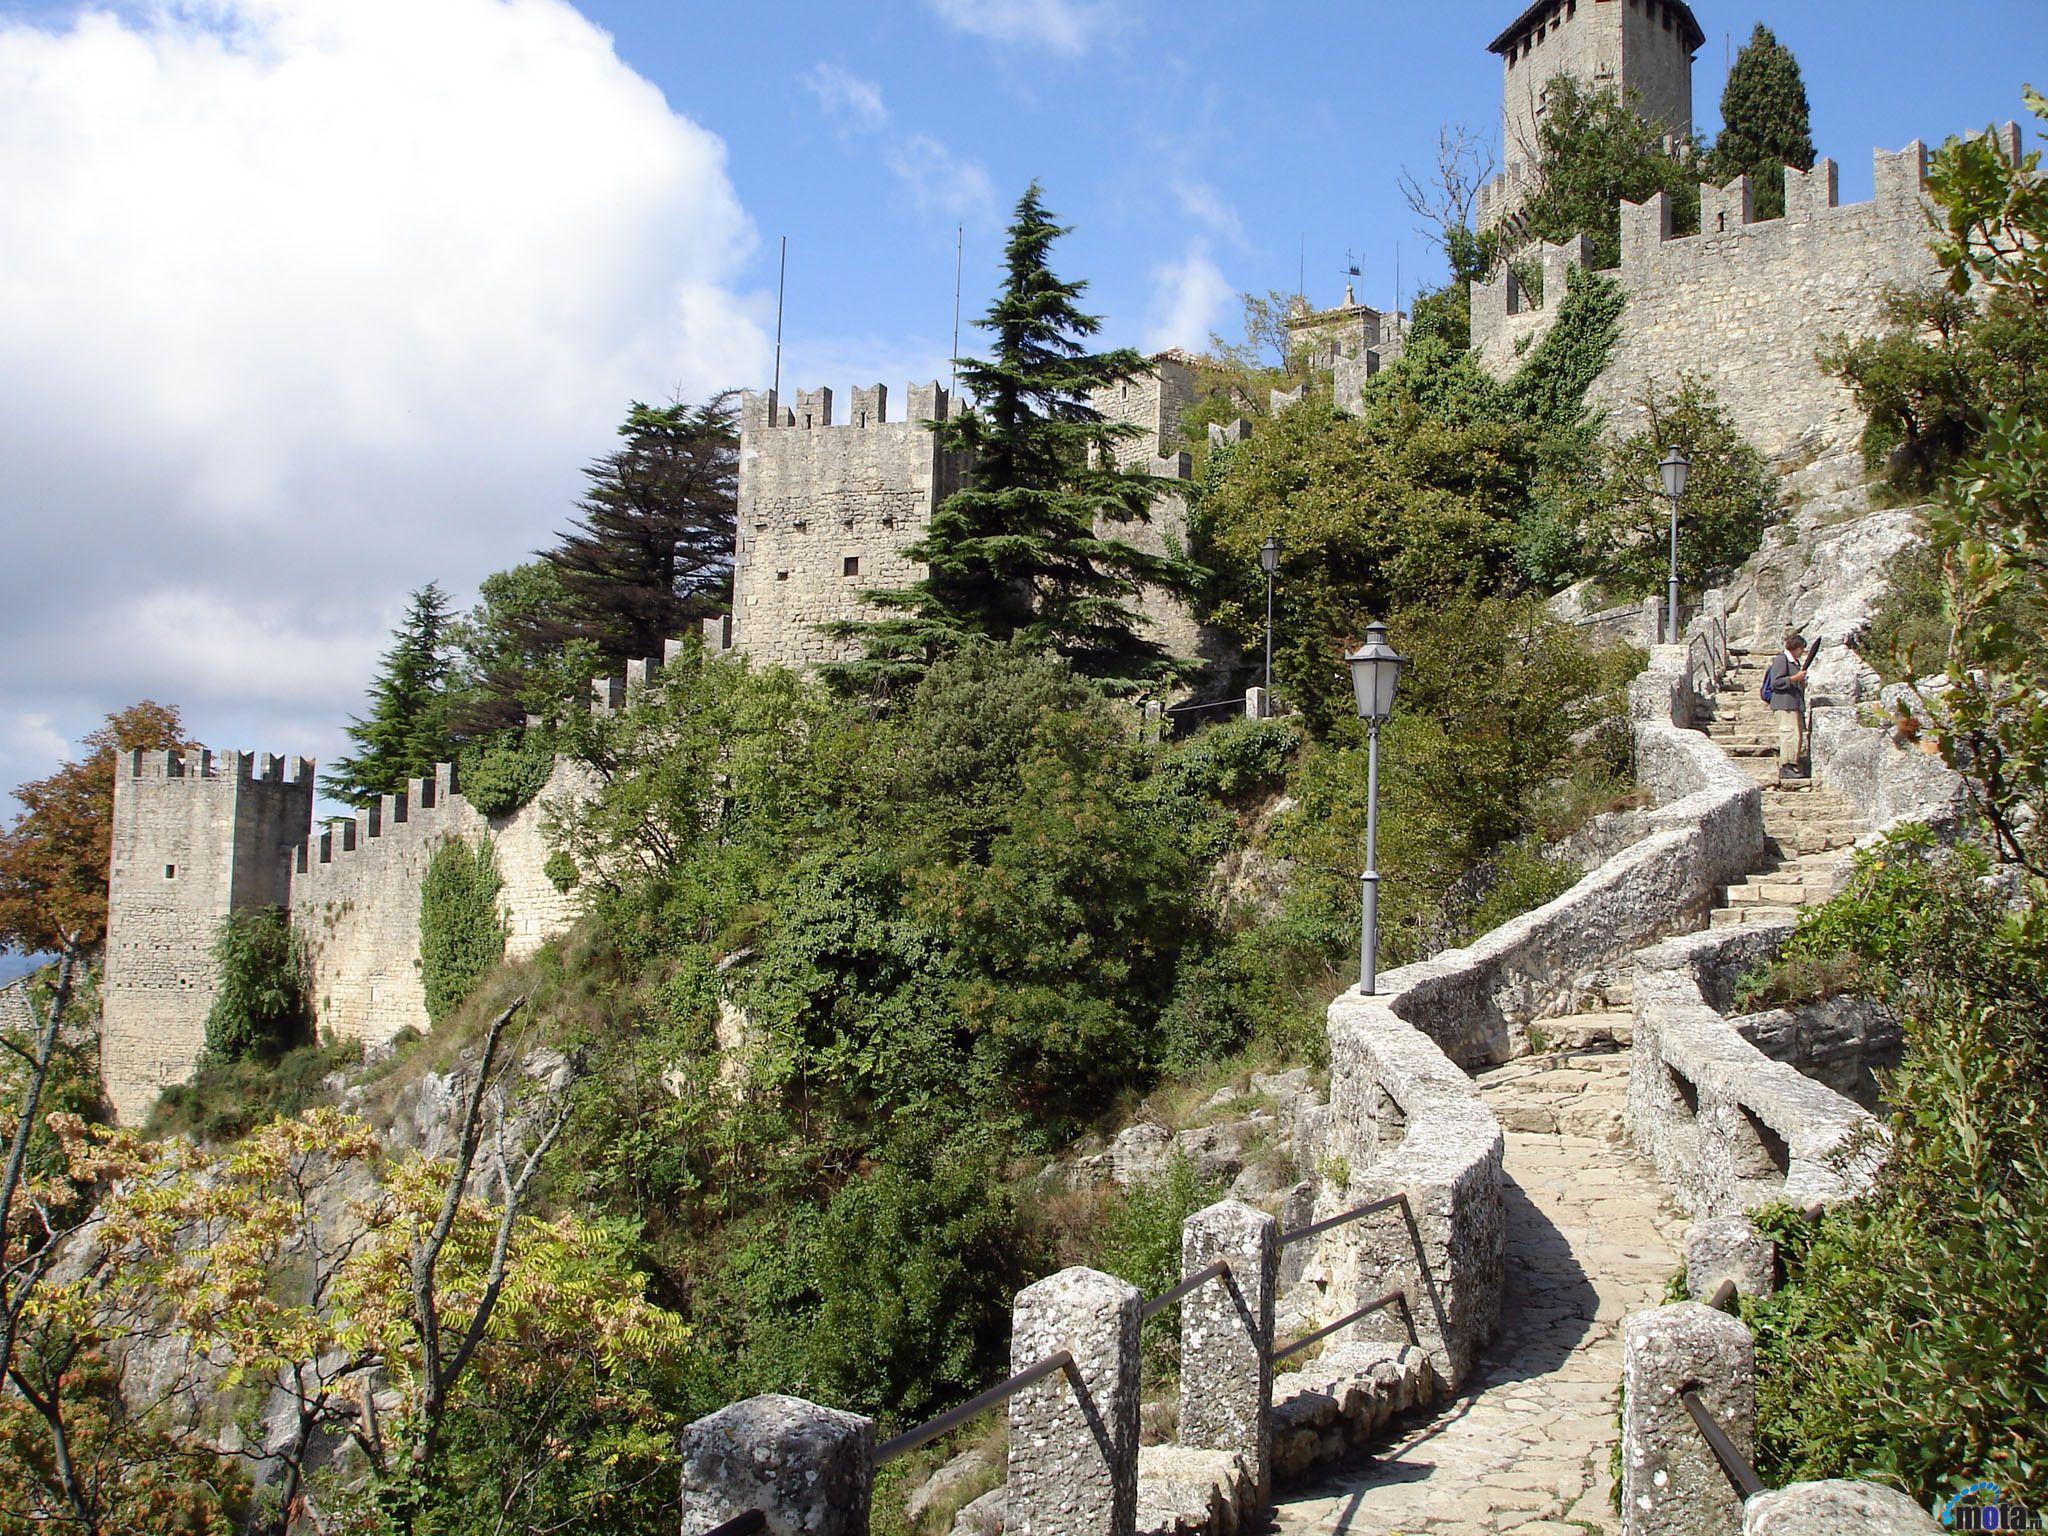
[1074, 1434]
[810, 1470]
[1255, 703]
[1671, 1485]
[1226, 1337]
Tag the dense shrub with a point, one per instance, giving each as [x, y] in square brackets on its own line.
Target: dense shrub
[259, 1005]
[1910, 1343]
[462, 931]
[505, 772]
[1139, 1241]
[227, 1098]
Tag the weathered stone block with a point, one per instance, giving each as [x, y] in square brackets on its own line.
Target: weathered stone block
[810, 1470]
[1729, 1248]
[1835, 1509]
[1671, 1485]
[1074, 1434]
[1226, 1332]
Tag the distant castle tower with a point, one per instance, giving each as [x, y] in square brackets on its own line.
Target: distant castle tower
[1644, 48]
[195, 837]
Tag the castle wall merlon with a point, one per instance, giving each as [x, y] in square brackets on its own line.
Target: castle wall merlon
[1725, 208]
[870, 406]
[813, 407]
[607, 694]
[1173, 466]
[1809, 194]
[1901, 177]
[1644, 227]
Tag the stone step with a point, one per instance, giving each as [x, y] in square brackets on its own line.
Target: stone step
[1768, 893]
[1736, 917]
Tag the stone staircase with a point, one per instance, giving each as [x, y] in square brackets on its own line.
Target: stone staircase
[1810, 827]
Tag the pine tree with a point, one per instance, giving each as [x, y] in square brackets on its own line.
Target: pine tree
[1765, 122]
[652, 553]
[1022, 552]
[406, 731]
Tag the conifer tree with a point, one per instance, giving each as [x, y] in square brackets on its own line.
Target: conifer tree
[1765, 122]
[406, 730]
[1023, 553]
[652, 552]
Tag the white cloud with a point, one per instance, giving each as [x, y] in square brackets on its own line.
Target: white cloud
[1209, 208]
[1189, 300]
[854, 101]
[1058, 26]
[936, 180]
[309, 302]
[940, 181]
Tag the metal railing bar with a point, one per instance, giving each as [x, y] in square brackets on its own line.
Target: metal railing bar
[1741, 1475]
[1187, 1287]
[1315, 1228]
[1391, 1299]
[1723, 1298]
[953, 1418]
[746, 1523]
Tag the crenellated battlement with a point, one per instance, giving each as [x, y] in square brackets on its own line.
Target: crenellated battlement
[762, 411]
[203, 763]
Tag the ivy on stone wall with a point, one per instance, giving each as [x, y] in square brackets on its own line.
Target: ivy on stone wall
[462, 929]
[1549, 390]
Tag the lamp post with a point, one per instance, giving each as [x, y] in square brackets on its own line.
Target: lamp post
[1673, 466]
[1269, 562]
[1375, 673]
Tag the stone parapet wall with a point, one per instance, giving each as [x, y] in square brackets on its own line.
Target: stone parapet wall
[1744, 306]
[1891, 784]
[1728, 1127]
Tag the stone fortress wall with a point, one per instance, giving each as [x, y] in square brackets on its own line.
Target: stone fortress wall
[1745, 306]
[195, 837]
[825, 512]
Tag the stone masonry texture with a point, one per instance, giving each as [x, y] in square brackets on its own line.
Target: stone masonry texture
[195, 837]
[1074, 1434]
[1835, 1509]
[1226, 1371]
[810, 1470]
[1671, 1485]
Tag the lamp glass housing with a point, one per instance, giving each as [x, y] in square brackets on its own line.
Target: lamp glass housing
[1376, 669]
[1269, 555]
[1674, 466]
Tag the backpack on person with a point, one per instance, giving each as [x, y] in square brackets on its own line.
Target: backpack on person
[1767, 689]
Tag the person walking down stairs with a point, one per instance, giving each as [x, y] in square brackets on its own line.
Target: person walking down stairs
[1785, 692]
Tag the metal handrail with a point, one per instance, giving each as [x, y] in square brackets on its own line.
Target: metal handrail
[1187, 1287]
[1373, 1208]
[1391, 1299]
[1740, 1474]
[746, 1523]
[953, 1418]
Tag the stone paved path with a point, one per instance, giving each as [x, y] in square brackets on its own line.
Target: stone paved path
[1590, 1239]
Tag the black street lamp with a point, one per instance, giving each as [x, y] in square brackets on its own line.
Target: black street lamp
[1269, 562]
[1376, 669]
[1673, 467]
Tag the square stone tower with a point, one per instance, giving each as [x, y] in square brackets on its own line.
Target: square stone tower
[195, 837]
[1644, 48]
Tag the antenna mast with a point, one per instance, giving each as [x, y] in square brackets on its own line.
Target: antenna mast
[781, 284]
[959, 246]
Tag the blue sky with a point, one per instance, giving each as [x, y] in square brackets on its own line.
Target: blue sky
[309, 302]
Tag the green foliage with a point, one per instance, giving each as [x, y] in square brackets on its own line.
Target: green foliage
[1027, 551]
[1139, 1241]
[1594, 150]
[1910, 1343]
[504, 772]
[259, 1004]
[1487, 720]
[407, 729]
[1730, 498]
[561, 871]
[1908, 633]
[652, 552]
[1765, 122]
[462, 930]
[225, 1099]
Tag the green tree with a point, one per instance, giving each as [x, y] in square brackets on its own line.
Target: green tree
[1026, 551]
[1730, 497]
[53, 859]
[1595, 150]
[259, 1008]
[652, 553]
[509, 658]
[406, 731]
[1765, 123]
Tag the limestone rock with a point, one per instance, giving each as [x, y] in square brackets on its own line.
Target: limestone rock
[1835, 1509]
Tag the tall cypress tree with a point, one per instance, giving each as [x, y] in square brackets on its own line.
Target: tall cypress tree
[406, 730]
[1766, 125]
[651, 554]
[1024, 551]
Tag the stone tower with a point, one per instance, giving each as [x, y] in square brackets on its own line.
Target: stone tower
[825, 512]
[1644, 48]
[195, 837]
